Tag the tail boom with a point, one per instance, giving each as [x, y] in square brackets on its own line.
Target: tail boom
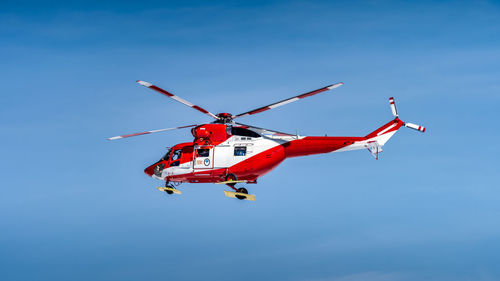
[373, 141]
[318, 145]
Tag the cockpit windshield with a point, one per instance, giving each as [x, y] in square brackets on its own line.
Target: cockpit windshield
[167, 155]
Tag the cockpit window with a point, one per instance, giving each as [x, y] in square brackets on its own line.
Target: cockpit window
[244, 132]
[176, 155]
[167, 155]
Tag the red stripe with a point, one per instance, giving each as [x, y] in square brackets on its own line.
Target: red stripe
[398, 122]
[259, 110]
[136, 134]
[161, 91]
[312, 93]
[317, 145]
[200, 109]
[186, 126]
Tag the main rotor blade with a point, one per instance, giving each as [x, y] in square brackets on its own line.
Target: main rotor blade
[287, 101]
[149, 132]
[172, 96]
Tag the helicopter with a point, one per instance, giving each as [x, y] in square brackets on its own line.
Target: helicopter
[230, 153]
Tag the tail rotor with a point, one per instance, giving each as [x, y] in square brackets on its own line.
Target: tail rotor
[407, 125]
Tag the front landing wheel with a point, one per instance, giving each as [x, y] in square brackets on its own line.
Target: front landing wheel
[241, 190]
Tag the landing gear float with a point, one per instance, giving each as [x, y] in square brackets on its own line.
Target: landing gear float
[230, 153]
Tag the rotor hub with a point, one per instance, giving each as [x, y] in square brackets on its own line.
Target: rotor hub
[224, 118]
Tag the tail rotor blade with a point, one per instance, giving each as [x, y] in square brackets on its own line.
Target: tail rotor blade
[393, 107]
[415, 127]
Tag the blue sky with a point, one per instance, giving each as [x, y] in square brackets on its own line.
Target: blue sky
[75, 206]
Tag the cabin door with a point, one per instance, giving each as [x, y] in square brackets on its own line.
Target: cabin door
[203, 157]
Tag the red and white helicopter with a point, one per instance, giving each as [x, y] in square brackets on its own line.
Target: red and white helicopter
[227, 152]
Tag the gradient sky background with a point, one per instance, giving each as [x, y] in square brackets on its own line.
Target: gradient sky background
[74, 206]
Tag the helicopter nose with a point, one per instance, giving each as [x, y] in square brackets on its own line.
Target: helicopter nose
[149, 170]
[155, 169]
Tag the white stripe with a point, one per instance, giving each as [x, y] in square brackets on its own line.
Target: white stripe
[144, 83]
[283, 102]
[386, 129]
[182, 100]
[335, 86]
[161, 130]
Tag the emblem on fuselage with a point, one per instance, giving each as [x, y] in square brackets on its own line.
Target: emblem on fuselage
[206, 162]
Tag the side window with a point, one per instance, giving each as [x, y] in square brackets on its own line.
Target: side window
[173, 164]
[244, 132]
[176, 155]
[240, 150]
[202, 152]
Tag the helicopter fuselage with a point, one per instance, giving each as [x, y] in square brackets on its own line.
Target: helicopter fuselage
[222, 149]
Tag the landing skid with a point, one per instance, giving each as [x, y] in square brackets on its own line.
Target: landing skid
[239, 195]
[231, 181]
[169, 190]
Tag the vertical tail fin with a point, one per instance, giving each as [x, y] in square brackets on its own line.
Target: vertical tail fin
[384, 133]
